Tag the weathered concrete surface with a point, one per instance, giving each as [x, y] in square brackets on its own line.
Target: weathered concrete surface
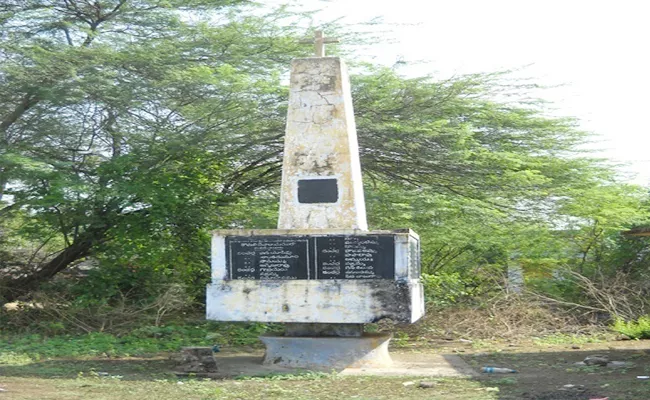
[316, 301]
[328, 353]
[321, 143]
[317, 329]
[404, 364]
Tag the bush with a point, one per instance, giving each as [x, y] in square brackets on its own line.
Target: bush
[444, 289]
[639, 329]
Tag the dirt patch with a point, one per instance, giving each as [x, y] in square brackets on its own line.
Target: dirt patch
[555, 372]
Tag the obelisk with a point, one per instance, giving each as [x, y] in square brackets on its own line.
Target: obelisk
[321, 173]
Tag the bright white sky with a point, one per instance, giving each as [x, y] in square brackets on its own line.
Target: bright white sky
[596, 50]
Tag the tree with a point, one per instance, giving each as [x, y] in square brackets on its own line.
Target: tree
[124, 114]
[129, 127]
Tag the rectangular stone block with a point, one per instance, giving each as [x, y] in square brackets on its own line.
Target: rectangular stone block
[316, 301]
[315, 276]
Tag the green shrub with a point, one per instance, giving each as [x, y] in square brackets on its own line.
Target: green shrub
[443, 289]
[639, 329]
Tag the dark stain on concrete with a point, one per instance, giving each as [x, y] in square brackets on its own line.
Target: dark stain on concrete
[395, 300]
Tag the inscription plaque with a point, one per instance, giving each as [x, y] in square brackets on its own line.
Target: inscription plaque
[312, 191]
[355, 257]
[311, 257]
[268, 257]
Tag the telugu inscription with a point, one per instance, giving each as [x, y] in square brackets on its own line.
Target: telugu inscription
[268, 258]
[311, 257]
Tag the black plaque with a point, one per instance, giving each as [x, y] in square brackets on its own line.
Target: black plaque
[318, 191]
[268, 257]
[355, 257]
[311, 257]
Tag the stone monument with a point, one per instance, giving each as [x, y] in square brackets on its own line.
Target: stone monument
[322, 272]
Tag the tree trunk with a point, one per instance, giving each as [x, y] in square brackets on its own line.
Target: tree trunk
[11, 288]
[28, 101]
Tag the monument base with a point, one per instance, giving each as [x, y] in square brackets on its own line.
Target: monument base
[328, 353]
[319, 330]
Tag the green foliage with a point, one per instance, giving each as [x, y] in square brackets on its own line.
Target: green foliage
[639, 329]
[126, 135]
[131, 161]
[144, 340]
[444, 289]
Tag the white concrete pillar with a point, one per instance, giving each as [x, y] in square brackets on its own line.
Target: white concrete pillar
[321, 173]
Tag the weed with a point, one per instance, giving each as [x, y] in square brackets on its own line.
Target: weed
[146, 340]
[504, 381]
[11, 358]
[639, 329]
[561, 338]
[307, 375]
[585, 369]
[400, 339]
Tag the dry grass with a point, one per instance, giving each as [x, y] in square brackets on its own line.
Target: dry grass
[505, 317]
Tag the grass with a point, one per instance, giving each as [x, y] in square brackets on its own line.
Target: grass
[543, 372]
[324, 389]
[573, 339]
[16, 348]
[137, 366]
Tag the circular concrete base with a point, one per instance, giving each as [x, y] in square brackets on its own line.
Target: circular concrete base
[328, 353]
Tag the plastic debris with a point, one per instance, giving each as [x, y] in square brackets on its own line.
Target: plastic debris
[643, 377]
[496, 370]
[409, 383]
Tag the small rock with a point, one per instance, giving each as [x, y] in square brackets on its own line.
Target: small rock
[623, 337]
[2, 389]
[596, 359]
[409, 383]
[428, 384]
[575, 347]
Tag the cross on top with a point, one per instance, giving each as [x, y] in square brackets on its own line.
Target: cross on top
[319, 43]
